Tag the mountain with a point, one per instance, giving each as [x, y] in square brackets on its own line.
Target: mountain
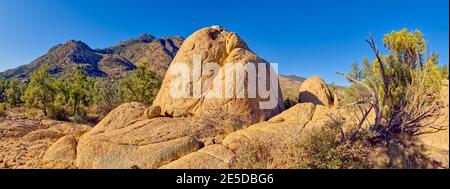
[116, 61]
[294, 77]
[290, 86]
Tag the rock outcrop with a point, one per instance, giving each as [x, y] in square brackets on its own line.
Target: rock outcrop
[293, 123]
[63, 150]
[26, 143]
[316, 91]
[126, 138]
[133, 136]
[216, 45]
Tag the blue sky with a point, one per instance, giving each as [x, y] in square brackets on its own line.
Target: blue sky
[306, 38]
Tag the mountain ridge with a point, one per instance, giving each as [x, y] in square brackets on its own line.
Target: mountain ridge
[114, 61]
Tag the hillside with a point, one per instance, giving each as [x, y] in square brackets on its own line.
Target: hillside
[114, 61]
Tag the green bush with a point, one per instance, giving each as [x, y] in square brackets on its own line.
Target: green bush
[31, 113]
[57, 112]
[288, 103]
[80, 116]
[255, 155]
[322, 149]
[3, 108]
[142, 86]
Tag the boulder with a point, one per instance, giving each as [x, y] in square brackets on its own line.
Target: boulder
[152, 112]
[300, 113]
[132, 136]
[63, 150]
[31, 143]
[211, 157]
[314, 90]
[216, 45]
[57, 131]
[136, 141]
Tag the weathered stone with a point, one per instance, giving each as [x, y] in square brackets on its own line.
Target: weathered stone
[57, 131]
[314, 90]
[152, 112]
[215, 45]
[63, 150]
[211, 157]
[138, 141]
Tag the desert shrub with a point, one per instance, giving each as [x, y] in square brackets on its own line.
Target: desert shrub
[3, 87]
[31, 113]
[81, 116]
[401, 87]
[57, 112]
[320, 148]
[288, 103]
[323, 149]
[108, 97]
[14, 92]
[444, 71]
[3, 108]
[255, 155]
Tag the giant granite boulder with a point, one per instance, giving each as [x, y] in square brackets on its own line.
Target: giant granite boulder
[133, 136]
[316, 91]
[216, 45]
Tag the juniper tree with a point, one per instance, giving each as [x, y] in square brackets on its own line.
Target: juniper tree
[14, 92]
[40, 92]
[142, 86]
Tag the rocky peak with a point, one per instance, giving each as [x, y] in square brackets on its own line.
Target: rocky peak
[71, 46]
[119, 59]
[144, 38]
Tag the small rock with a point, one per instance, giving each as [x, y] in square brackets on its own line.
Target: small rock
[153, 111]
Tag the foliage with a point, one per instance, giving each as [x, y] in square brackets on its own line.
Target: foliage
[3, 87]
[322, 149]
[444, 71]
[366, 71]
[31, 113]
[80, 115]
[355, 71]
[108, 96]
[57, 111]
[142, 86]
[14, 92]
[79, 88]
[402, 87]
[288, 103]
[3, 109]
[40, 92]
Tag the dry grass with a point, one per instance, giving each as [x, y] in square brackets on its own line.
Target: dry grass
[321, 149]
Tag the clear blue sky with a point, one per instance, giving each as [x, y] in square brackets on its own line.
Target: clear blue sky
[306, 38]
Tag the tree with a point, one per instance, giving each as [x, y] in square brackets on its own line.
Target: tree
[14, 92]
[142, 86]
[356, 72]
[40, 92]
[444, 71]
[366, 68]
[403, 89]
[108, 96]
[3, 87]
[79, 90]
